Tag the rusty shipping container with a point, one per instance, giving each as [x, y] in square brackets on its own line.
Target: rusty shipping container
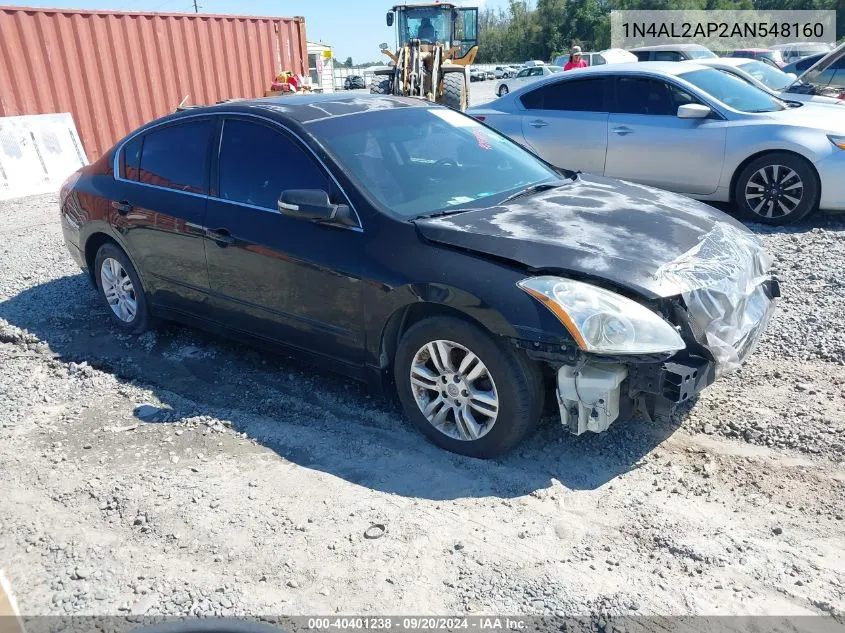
[115, 70]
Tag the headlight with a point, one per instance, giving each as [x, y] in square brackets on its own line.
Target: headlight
[602, 321]
[839, 141]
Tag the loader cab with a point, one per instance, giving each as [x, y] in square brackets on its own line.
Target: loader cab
[436, 23]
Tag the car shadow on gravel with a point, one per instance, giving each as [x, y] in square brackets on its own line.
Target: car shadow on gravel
[311, 419]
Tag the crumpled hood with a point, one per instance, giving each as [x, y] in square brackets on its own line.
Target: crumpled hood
[598, 227]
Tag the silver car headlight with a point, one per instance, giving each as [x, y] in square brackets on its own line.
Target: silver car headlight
[839, 141]
[601, 321]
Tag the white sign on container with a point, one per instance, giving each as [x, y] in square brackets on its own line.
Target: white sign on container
[37, 153]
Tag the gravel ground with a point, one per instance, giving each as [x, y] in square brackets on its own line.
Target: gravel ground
[177, 472]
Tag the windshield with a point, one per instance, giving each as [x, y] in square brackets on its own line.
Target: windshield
[768, 75]
[700, 53]
[555, 69]
[733, 91]
[415, 161]
[428, 24]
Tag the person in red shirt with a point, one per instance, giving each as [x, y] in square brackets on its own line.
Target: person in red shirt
[575, 60]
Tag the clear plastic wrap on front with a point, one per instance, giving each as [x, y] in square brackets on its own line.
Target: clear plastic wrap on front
[723, 281]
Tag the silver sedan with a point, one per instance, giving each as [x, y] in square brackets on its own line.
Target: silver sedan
[686, 128]
[525, 76]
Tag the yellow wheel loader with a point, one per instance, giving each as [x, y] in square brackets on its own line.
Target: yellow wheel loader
[436, 43]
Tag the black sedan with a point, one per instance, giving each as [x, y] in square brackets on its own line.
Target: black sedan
[404, 243]
[354, 82]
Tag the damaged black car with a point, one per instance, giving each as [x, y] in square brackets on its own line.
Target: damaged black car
[408, 245]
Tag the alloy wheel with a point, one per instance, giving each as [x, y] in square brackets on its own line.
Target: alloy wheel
[118, 290]
[454, 390]
[774, 191]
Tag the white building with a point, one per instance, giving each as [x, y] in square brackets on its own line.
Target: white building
[320, 66]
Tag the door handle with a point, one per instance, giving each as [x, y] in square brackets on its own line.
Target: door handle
[221, 236]
[622, 131]
[537, 123]
[122, 207]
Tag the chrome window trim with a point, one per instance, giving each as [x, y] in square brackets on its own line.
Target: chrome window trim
[284, 128]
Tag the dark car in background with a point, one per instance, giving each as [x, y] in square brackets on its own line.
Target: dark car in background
[393, 240]
[354, 82]
[799, 66]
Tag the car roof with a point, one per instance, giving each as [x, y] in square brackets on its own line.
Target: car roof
[306, 108]
[754, 50]
[666, 68]
[670, 47]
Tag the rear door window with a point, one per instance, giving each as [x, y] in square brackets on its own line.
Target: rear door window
[176, 156]
[257, 163]
[583, 95]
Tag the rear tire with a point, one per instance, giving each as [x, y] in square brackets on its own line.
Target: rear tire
[381, 87]
[455, 92]
[121, 290]
[776, 189]
[507, 378]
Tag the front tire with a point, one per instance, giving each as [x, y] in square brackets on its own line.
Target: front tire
[777, 188]
[493, 392]
[381, 87]
[121, 290]
[503, 90]
[455, 92]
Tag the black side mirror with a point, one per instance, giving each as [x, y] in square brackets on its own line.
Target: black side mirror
[390, 18]
[314, 204]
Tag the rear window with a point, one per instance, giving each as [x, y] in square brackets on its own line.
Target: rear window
[131, 158]
[700, 53]
[176, 156]
[583, 95]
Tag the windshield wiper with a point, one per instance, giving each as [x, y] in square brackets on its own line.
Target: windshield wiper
[545, 186]
[441, 213]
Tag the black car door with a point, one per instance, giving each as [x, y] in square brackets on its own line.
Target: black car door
[277, 276]
[159, 208]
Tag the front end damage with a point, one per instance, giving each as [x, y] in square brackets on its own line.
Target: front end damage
[725, 298]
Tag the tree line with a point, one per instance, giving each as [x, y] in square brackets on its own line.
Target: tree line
[546, 28]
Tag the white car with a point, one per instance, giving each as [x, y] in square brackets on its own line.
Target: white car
[503, 72]
[525, 76]
[798, 50]
[686, 128]
[766, 77]
[477, 74]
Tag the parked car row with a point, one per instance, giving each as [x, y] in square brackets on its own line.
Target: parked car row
[775, 161]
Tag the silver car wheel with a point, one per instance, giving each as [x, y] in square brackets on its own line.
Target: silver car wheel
[454, 390]
[774, 191]
[118, 290]
[503, 91]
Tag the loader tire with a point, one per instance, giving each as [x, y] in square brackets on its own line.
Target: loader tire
[381, 87]
[455, 92]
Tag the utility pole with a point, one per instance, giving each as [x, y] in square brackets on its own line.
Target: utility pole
[196, 7]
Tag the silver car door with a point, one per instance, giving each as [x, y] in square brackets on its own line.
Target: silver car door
[648, 143]
[565, 123]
